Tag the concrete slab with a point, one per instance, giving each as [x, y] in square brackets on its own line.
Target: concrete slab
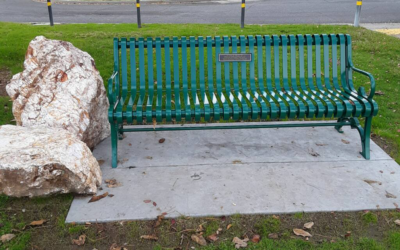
[222, 172]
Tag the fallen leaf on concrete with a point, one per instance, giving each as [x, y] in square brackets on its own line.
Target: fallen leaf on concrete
[80, 241]
[273, 236]
[147, 201]
[7, 237]
[98, 197]
[240, 243]
[320, 144]
[154, 203]
[130, 144]
[229, 226]
[158, 221]
[308, 225]
[37, 223]
[389, 195]
[379, 93]
[256, 238]
[199, 239]
[301, 232]
[397, 222]
[212, 237]
[149, 237]
[345, 141]
[370, 182]
[101, 162]
[236, 162]
[149, 157]
[162, 140]
[111, 195]
[111, 183]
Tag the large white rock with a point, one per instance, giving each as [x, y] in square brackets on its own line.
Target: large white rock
[40, 161]
[60, 87]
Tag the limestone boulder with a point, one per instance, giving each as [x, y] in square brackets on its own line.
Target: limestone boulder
[39, 161]
[60, 87]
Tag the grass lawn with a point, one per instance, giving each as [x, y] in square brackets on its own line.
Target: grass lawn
[373, 52]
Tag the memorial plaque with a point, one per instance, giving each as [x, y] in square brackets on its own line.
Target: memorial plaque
[243, 57]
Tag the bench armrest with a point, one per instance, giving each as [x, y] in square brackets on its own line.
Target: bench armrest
[371, 79]
[113, 90]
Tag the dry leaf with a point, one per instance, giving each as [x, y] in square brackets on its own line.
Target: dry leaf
[154, 203]
[301, 232]
[149, 237]
[308, 225]
[147, 201]
[80, 241]
[256, 238]
[229, 226]
[348, 234]
[239, 243]
[389, 195]
[379, 92]
[397, 222]
[7, 237]
[320, 144]
[162, 140]
[154, 124]
[101, 162]
[37, 223]
[158, 221]
[345, 141]
[237, 162]
[200, 229]
[111, 195]
[370, 182]
[276, 217]
[213, 237]
[273, 236]
[111, 183]
[97, 198]
[199, 239]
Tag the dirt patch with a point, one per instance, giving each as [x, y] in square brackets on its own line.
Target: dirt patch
[5, 76]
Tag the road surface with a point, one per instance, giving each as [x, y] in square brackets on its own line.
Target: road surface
[257, 12]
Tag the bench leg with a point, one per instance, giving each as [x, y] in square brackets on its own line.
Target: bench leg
[365, 134]
[114, 144]
[339, 128]
[367, 138]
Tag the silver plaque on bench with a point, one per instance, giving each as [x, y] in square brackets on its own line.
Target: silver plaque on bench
[242, 57]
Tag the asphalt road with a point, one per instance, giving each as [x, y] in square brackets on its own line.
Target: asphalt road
[257, 12]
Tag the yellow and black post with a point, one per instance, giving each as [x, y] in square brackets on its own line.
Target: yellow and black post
[50, 12]
[358, 12]
[139, 22]
[243, 10]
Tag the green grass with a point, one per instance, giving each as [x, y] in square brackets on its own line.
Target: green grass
[267, 226]
[373, 52]
[369, 218]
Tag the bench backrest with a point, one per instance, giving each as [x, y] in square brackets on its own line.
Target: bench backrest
[192, 64]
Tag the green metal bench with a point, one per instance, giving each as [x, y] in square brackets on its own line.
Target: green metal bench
[236, 78]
